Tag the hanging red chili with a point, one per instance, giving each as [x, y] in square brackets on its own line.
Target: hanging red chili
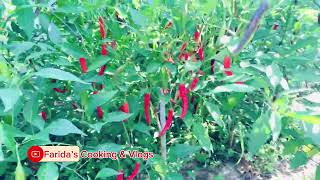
[120, 175]
[83, 65]
[60, 90]
[193, 83]
[184, 98]
[104, 50]
[99, 112]
[239, 82]
[125, 108]
[200, 52]
[135, 172]
[227, 62]
[44, 115]
[101, 86]
[228, 73]
[212, 65]
[168, 25]
[102, 69]
[184, 45]
[196, 36]
[102, 31]
[147, 98]
[168, 123]
[186, 56]
[275, 26]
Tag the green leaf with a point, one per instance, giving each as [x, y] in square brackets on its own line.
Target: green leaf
[259, 134]
[183, 150]
[215, 113]
[304, 117]
[275, 124]
[98, 62]
[318, 173]
[25, 19]
[192, 66]
[313, 132]
[58, 74]
[54, 34]
[202, 135]
[138, 18]
[233, 88]
[9, 97]
[174, 176]
[142, 127]
[99, 99]
[106, 172]
[20, 47]
[73, 50]
[208, 5]
[62, 127]
[117, 116]
[158, 164]
[274, 73]
[299, 159]
[48, 170]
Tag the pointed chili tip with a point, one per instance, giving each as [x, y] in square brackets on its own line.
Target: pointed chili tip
[135, 172]
[228, 73]
[184, 98]
[99, 112]
[196, 36]
[83, 64]
[44, 115]
[147, 98]
[102, 69]
[168, 25]
[227, 62]
[168, 123]
[120, 175]
[201, 56]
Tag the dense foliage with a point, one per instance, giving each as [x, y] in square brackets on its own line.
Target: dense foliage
[80, 73]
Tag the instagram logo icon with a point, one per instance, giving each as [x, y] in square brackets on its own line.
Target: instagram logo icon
[35, 153]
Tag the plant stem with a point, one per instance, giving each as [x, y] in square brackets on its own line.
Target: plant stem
[163, 138]
[126, 132]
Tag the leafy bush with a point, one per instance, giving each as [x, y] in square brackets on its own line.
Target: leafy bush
[267, 93]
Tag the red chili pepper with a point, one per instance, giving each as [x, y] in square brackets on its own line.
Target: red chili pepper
[83, 65]
[184, 45]
[193, 83]
[147, 97]
[102, 32]
[168, 25]
[212, 65]
[196, 36]
[201, 54]
[239, 82]
[275, 26]
[101, 86]
[186, 56]
[228, 73]
[168, 123]
[104, 50]
[95, 92]
[135, 172]
[125, 108]
[184, 97]
[44, 115]
[120, 175]
[102, 69]
[59, 90]
[99, 112]
[227, 62]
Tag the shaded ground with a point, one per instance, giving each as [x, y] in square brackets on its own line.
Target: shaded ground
[243, 171]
